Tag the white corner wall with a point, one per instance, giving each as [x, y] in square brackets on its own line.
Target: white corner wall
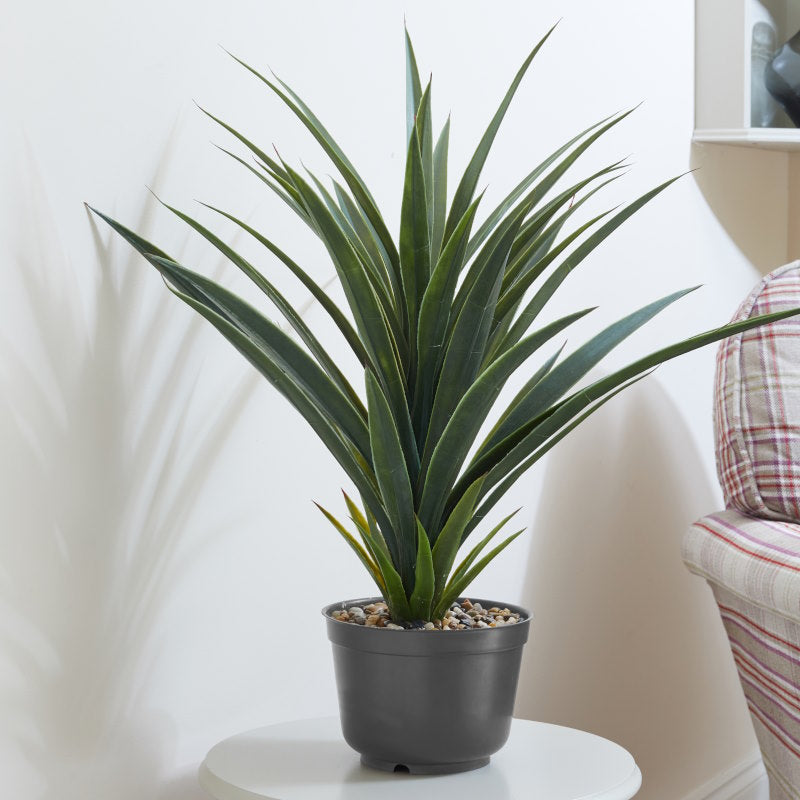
[161, 564]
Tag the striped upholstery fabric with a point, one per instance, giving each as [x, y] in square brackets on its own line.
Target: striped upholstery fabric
[757, 408]
[750, 553]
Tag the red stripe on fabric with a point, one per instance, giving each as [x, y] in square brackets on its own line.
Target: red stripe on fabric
[776, 426]
[780, 653]
[746, 551]
[771, 725]
[767, 684]
[750, 622]
[790, 719]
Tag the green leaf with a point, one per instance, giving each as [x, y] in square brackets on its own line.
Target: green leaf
[538, 237]
[466, 187]
[383, 291]
[395, 594]
[449, 539]
[294, 319]
[465, 350]
[469, 559]
[275, 185]
[434, 318]
[420, 600]
[500, 211]
[393, 479]
[507, 329]
[578, 364]
[414, 242]
[334, 152]
[370, 534]
[512, 476]
[439, 191]
[424, 126]
[330, 435]
[299, 374]
[514, 449]
[413, 87]
[354, 465]
[440, 468]
[358, 549]
[455, 589]
[515, 292]
[370, 321]
[366, 233]
[540, 373]
[319, 294]
[296, 365]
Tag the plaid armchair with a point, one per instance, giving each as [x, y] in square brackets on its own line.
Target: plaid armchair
[750, 553]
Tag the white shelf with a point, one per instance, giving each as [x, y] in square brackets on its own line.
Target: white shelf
[309, 760]
[723, 36]
[786, 139]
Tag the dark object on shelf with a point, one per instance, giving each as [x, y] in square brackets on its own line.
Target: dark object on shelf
[782, 78]
[426, 702]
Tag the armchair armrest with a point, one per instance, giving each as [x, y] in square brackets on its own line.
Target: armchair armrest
[756, 559]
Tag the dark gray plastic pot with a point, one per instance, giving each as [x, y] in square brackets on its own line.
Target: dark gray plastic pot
[426, 702]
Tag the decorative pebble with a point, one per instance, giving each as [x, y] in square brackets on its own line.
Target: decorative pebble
[460, 616]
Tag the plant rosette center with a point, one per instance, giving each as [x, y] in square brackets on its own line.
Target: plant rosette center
[462, 615]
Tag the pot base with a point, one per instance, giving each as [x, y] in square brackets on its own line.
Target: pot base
[424, 769]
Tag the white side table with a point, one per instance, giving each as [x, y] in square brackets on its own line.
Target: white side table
[309, 760]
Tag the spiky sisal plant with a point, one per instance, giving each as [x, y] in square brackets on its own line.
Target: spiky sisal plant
[440, 321]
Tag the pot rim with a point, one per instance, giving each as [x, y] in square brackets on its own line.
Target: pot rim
[525, 615]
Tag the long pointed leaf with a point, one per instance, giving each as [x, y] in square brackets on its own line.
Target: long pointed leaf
[455, 589]
[319, 294]
[424, 580]
[511, 451]
[371, 242]
[578, 364]
[515, 293]
[393, 479]
[370, 534]
[374, 329]
[358, 549]
[441, 467]
[449, 539]
[334, 152]
[372, 270]
[469, 181]
[294, 319]
[434, 320]
[465, 350]
[414, 242]
[288, 356]
[413, 87]
[330, 436]
[440, 153]
[502, 486]
[500, 211]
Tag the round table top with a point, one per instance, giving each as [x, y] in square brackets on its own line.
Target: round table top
[309, 760]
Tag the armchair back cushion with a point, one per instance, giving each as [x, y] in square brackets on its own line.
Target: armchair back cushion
[757, 405]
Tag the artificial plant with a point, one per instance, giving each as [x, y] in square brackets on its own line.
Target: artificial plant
[440, 319]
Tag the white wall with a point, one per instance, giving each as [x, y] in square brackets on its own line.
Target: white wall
[161, 564]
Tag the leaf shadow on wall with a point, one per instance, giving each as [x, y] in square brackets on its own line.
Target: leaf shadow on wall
[95, 496]
[747, 190]
[625, 642]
